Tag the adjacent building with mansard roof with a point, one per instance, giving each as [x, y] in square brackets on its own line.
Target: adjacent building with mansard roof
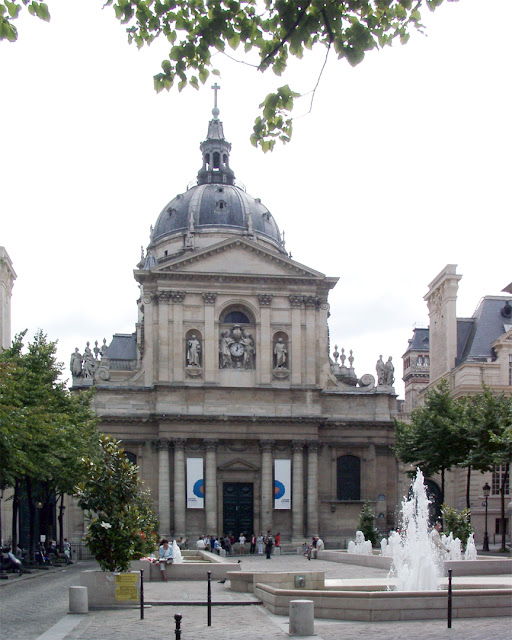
[225, 394]
[468, 352]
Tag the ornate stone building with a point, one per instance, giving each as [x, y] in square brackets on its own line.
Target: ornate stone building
[225, 394]
[467, 352]
[7, 278]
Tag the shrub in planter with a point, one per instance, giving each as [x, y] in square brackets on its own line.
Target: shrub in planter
[122, 524]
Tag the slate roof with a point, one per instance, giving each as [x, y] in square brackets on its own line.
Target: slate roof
[475, 335]
[123, 347]
[420, 340]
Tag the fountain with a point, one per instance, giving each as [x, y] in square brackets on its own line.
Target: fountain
[361, 546]
[470, 553]
[417, 567]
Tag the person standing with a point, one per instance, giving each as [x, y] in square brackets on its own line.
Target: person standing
[241, 541]
[259, 542]
[269, 543]
[253, 544]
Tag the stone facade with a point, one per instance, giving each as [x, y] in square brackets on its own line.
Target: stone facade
[7, 278]
[229, 363]
[468, 352]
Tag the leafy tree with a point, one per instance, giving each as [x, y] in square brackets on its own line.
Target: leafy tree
[458, 522]
[44, 429]
[269, 32]
[432, 440]
[122, 522]
[491, 416]
[367, 523]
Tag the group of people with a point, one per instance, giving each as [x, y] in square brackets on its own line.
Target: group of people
[312, 549]
[256, 543]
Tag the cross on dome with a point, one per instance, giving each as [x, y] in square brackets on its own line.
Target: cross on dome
[215, 110]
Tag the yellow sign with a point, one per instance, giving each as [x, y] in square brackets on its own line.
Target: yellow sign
[126, 587]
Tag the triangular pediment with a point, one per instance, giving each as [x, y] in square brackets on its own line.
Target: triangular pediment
[239, 465]
[237, 256]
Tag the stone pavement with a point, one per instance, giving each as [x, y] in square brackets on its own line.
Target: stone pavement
[232, 621]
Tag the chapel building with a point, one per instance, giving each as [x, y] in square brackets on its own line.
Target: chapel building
[225, 394]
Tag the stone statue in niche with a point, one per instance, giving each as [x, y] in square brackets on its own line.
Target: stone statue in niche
[389, 370]
[280, 353]
[381, 372]
[193, 352]
[224, 352]
[237, 349]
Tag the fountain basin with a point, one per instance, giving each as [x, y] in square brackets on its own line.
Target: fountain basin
[482, 566]
[373, 604]
[195, 566]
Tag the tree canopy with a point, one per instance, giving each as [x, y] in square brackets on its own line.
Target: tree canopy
[263, 35]
[44, 429]
[122, 524]
[432, 439]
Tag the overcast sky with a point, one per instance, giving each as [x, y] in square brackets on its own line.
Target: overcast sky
[403, 166]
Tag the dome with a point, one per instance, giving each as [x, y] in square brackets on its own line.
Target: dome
[216, 203]
[212, 206]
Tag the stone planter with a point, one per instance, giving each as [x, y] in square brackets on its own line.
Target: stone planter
[107, 590]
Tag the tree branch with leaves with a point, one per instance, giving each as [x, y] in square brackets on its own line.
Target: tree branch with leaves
[264, 35]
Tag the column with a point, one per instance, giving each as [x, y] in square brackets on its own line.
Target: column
[312, 529]
[211, 341]
[265, 346]
[163, 336]
[179, 487]
[211, 486]
[296, 363]
[178, 339]
[311, 349]
[149, 302]
[267, 485]
[297, 492]
[164, 487]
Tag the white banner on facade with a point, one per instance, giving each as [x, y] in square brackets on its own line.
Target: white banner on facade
[282, 484]
[195, 483]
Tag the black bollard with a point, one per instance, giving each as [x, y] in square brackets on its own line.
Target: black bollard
[142, 594]
[449, 598]
[177, 633]
[209, 607]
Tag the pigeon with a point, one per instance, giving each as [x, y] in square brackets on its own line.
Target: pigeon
[221, 581]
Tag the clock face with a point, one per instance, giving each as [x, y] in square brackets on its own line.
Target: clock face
[237, 349]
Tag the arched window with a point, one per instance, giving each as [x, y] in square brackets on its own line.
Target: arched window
[237, 317]
[348, 480]
[216, 160]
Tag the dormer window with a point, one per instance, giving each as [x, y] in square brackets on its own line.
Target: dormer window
[221, 204]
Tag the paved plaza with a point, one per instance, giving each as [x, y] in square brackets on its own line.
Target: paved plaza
[235, 618]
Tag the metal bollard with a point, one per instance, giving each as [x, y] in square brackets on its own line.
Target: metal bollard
[209, 607]
[142, 594]
[449, 598]
[177, 633]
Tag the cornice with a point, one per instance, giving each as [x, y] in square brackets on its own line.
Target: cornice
[155, 418]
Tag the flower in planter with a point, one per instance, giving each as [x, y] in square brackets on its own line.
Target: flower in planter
[122, 521]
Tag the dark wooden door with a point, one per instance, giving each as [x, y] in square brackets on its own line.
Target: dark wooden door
[238, 508]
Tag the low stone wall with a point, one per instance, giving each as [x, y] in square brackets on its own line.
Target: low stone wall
[245, 581]
[197, 569]
[373, 606]
[378, 562]
[107, 590]
[482, 566]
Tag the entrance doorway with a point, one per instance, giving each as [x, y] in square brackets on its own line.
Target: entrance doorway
[237, 498]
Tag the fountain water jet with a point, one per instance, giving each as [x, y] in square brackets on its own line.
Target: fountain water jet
[415, 564]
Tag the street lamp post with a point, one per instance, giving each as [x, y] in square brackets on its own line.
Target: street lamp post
[487, 490]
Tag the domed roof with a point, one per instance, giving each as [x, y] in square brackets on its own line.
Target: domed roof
[215, 205]
[217, 202]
